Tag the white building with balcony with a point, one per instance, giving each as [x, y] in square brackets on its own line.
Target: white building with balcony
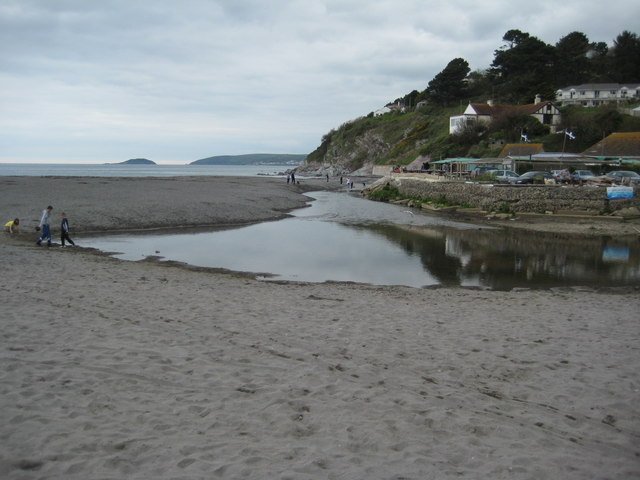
[596, 94]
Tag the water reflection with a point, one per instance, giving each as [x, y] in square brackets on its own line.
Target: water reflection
[503, 261]
[344, 238]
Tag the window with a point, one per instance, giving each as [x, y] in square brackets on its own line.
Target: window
[596, 94]
[582, 92]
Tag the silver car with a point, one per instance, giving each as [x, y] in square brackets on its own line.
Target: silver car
[504, 176]
[582, 176]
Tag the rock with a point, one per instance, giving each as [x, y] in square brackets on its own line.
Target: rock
[629, 212]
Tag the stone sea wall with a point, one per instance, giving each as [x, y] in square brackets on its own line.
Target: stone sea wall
[525, 198]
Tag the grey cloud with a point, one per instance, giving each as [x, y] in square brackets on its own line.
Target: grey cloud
[240, 74]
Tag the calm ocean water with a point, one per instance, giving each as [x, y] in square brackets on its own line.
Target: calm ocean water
[94, 170]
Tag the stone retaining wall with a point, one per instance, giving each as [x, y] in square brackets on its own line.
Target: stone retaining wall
[524, 198]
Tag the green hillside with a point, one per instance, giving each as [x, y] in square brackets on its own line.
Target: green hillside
[523, 67]
[391, 138]
[253, 159]
[397, 138]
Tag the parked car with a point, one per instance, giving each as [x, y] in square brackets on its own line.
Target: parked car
[533, 177]
[562, 176]
[504, 176]
[624, 176]
[581, 176]
[483, 170]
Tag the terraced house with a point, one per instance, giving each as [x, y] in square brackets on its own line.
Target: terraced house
[596, 94]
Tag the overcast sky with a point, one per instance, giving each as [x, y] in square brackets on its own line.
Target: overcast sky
[92, 81]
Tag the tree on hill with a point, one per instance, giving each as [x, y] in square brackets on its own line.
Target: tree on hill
[410, 100]
[479, 84]
[599, 63]
[523, 68]
[572, 65]
[450, 84]
[626, 57]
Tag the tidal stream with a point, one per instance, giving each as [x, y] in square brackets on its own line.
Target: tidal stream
[341, 237]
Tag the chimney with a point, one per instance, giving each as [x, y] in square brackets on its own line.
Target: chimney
[538, 99]
[490, 103]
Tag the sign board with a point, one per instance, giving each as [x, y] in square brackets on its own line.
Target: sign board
[614, 193]
[615, 254]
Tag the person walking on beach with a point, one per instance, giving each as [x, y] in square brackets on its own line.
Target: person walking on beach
[64, 230]
[13, 226]
[45, 226]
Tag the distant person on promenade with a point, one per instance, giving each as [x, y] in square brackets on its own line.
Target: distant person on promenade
[64, 230]
[45, 226]
[13, 226]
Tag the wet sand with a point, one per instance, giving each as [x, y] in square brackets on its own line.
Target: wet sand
[141, 370]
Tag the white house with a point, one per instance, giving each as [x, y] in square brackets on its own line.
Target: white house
[594, 94]
[381, 111]
[545, 112]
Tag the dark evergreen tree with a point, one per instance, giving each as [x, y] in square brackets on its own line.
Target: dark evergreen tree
[523, 68]
[479, 85]
[409, 100]
[599, 63]
[450, 84]
[572, 65]
[626, 57]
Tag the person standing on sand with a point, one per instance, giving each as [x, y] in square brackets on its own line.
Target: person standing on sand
[64, 230]
[45, 220]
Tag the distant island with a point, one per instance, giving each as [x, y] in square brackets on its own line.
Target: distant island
[253, 159]
[135, 161]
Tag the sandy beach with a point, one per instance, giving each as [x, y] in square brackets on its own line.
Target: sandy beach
[141, 370]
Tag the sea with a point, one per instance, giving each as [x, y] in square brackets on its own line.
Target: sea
[119, 170]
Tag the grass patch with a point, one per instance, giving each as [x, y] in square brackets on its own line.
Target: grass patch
[385, 194]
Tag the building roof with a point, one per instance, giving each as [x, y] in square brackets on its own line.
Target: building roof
[623, 144]
[497, 110]
[600, 86]
[457, 160]
[521, 149]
